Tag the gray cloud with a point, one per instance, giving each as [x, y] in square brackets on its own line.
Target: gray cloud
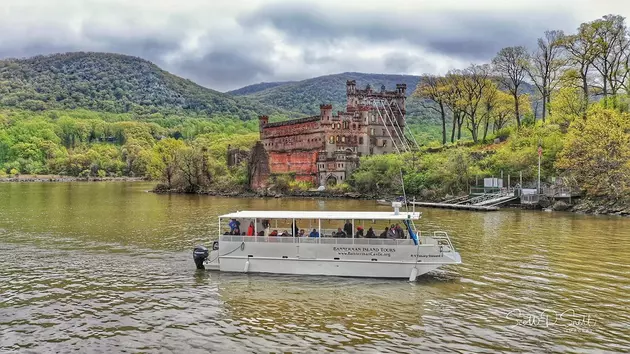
[225, 44]
[34, 48]
[150, 45]
[467, 35]
[401, 63]
[217, 68]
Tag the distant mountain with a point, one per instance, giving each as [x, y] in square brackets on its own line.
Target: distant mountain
[113, 83]
[250, 89]
[306, 96]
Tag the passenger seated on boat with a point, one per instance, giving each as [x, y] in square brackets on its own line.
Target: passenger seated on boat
[399, 232]
[370, 233]
[250, 229]
[285, 233]
[274, 233]
[302, 233]
[347, 228]
[339, 233]
[314, 233]
[384, 233]
[359, 232]
[391, 233]
[236, 231]
[266, 227]
[261, 233]
[234, 224]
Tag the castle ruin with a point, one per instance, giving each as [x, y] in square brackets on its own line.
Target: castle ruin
[325, 149]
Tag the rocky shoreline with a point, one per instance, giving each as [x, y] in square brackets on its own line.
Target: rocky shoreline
[265, 194]
[583, 206]
[620, 207]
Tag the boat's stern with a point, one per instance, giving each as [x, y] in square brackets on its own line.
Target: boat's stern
[213, 261]
[207, 259]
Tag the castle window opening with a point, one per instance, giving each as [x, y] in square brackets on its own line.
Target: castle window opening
[360, 140]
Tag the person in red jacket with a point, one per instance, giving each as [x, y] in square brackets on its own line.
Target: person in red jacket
[250, 229]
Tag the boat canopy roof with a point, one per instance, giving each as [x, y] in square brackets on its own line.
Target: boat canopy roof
[322, 215]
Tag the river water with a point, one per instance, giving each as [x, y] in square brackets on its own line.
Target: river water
[107, 267]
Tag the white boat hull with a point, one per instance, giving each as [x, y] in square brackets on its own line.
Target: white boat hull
[362, 269]
[373, 258]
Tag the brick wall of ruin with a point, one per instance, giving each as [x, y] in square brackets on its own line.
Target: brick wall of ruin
[302, 163]
[293, 147]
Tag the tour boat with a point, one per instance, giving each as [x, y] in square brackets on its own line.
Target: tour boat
[409, 255]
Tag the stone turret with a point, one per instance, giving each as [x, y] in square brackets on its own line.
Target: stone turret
[401, 89]
[351, 86]
[262, 121]
[351, 93]
[325, 111]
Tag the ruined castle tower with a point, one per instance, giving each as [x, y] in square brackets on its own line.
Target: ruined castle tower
[326, 148]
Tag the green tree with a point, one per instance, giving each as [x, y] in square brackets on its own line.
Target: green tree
[164, 163]
[545, 66]
[510, 64]
[597, 153]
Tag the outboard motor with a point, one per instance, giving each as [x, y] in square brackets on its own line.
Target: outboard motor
[200, 255]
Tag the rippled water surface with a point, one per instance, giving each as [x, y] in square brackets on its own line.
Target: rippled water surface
[106, 267]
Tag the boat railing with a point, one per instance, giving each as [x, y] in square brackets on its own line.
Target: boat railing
[331, 232]
[438, 238]
[442, 239]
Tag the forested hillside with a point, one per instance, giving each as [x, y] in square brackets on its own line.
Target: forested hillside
[87, 143]
[112, 83]
[250, 89]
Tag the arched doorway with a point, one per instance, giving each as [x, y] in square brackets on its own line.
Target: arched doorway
[331, 180]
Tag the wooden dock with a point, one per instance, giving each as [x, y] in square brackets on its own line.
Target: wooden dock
[455, 206]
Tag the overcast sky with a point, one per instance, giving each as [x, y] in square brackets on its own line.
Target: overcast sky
[226, 44]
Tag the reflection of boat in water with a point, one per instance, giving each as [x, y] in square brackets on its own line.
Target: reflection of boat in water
[397, 253]
[339, 313]
[382, 202]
